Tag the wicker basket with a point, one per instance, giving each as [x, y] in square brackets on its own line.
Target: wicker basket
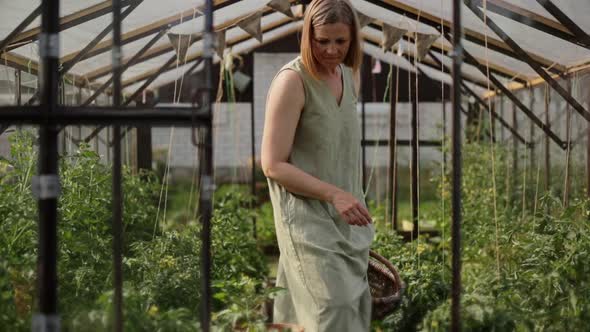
[386, 285]
[283, 327]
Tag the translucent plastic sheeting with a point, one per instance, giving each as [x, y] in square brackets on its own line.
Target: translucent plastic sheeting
[530, 39]
[14, 12]
[196, 25]
[391, 18]
[242, 47]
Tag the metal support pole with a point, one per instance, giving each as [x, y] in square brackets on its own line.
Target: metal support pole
[253, 158]
[18, 83]
[365, 74]
[46, 185]
[532, 126]
[514, 151]
[117, 202]
[207, 180]
[568, 130]
[456, 190]
[392, 183]
[547, 149]
[414, 152]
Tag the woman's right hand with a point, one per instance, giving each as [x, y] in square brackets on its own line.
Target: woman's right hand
[350, 209]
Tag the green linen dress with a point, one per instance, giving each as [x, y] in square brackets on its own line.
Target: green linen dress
[323, 260]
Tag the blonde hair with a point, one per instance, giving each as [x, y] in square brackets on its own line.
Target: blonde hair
[321, 12]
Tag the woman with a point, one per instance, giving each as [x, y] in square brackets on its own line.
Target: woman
[310, 155]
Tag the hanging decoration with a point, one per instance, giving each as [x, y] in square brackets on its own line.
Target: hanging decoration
[364, 20]
[377, 67]
[251, 25]
[423, 43]
[391, 35]
[220, 36]
[283, 6]
[181, 43]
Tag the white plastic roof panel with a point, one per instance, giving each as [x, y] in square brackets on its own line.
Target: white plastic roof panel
[391, 18]
[242, 47]
[221, 16]
[232, 33]
[14, 12]
[541, 43]
[530, 39]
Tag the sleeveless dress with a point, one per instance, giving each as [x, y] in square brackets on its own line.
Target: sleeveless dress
[323, 260]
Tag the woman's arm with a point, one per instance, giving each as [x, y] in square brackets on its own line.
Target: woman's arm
[284, 105]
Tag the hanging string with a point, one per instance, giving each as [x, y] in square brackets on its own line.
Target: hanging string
[492, 149]
[379, 132]
[418, 141]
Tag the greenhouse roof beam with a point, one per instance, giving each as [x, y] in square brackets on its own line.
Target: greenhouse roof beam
[197, 55]
[69, 21]
[150, 29]
[439, 47]
[533, 20]
[126, 65]
[19, 28]
[470, 35]
[582, 37]
[467, 89]
[105, 70]
[524, 56]
[65, 67]
[518, 103]
[427, 62]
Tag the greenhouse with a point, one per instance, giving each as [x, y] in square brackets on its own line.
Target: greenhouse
[162, 168]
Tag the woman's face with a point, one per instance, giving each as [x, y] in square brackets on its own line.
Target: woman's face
[330, 44]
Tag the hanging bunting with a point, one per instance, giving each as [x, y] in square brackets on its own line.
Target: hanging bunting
[391, 35]
[283, 6]
[251, 25]
[377, 67]
[364, 20]
[423, 43]
[181, 43]
[220, 36]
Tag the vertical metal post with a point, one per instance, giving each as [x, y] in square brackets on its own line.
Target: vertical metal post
[547, 147]
[414, 153]
[532, 127]
[117, 201]
[392, 183]
[253, 158]
[207, 180]
[456, 191]
[46, 185]
[515, 147]
[365, 68]
[588, 160]
[502, 132]
[568, 125]
[18, 91]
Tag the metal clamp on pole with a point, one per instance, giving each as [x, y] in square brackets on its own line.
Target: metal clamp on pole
[46, 186]
[45, 323]
[208, 187]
